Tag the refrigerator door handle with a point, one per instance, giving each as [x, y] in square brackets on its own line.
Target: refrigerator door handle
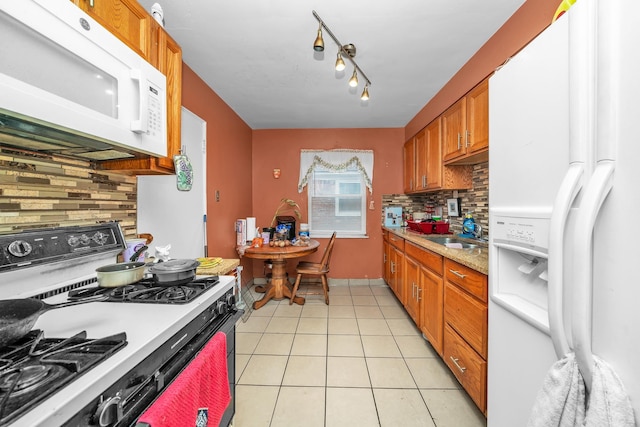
[596, 192]
[567, 193]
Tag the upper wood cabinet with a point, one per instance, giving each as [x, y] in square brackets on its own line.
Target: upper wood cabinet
[465, 128]
[423, 166]
[409, 156]
[127, 20]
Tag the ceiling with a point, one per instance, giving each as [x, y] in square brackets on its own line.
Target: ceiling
[259, 58]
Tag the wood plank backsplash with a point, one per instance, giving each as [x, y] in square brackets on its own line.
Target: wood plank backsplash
[41, 190]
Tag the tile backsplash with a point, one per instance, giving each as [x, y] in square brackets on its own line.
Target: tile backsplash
[43, 190]
[474, 200]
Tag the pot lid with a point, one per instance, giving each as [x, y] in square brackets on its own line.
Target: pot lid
[174, 266]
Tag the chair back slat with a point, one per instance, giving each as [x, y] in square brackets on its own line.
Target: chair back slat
[326, 257]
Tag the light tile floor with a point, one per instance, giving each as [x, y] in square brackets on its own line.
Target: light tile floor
[358, 362]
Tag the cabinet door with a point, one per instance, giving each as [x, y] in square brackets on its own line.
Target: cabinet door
[477, 132]
[433, 167]
[453, 127]
[127, 19]
[422, 159]
[170, 64]
[412, 285]
[409, 166]
[432, 308]
[386, 262]
[397, 279]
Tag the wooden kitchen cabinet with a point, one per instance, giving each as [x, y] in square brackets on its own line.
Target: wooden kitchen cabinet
[396, 267]
[386, 264]
[466, 328]
[413, 288]
[427, 292]
[409, 166]
[126, 19]
[425, 171]
[465, 128]
[133, 25]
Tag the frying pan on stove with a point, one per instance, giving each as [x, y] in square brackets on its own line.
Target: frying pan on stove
[17, 316]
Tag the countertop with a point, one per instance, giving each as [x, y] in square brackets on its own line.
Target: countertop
[222, 269]
[475, 258]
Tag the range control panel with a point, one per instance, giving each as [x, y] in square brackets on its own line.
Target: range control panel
[55, 244]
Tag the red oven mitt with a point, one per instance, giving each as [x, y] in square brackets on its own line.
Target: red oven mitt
[199, 395]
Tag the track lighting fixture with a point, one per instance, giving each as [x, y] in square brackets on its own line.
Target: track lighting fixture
[353, 81]
[344, 51]
[365, 93]
[340, 65]
[318, 45]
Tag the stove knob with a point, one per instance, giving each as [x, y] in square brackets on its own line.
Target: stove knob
[231, 300]
[109, 412]
[221, 307]
[20, 248]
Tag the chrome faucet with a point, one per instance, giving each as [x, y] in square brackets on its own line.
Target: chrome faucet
[477, 231]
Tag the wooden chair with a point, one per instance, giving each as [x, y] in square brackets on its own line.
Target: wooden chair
[315, 269]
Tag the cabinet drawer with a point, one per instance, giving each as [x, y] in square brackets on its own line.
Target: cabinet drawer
[467, 316]
[427, 258]
[396, 241]
[468, 367]
[467, 278]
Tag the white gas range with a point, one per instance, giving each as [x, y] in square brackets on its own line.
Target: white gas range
[148, 343]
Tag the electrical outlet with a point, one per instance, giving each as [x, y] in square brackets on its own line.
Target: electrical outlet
[217, 195]
[371, 206]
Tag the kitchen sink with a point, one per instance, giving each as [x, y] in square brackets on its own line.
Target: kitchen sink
[466, 244]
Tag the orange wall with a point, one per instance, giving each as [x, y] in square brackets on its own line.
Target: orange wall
[528, 21]
[351, 258]
[228, 165]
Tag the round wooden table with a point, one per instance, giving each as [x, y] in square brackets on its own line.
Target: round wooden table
[279, 287]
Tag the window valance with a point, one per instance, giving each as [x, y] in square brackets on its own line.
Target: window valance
[336, 160]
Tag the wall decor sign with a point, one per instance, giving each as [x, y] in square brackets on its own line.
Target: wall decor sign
[453, 206]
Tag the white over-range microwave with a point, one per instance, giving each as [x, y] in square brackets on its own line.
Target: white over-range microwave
[69, 86]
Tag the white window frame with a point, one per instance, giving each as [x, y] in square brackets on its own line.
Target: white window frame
[362, 231]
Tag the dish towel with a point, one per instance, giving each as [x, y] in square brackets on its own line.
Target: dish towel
[199, 395]
[562, 401]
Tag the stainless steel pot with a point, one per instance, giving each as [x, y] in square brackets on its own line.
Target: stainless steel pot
[174, 272]
[123, 273]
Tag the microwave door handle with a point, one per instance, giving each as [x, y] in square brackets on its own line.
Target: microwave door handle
[141, 125]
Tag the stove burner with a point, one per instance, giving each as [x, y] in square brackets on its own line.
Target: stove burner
[35, 367]
[148, 291]
[24, 380]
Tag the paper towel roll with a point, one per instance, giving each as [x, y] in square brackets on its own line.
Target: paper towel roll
[251, 228]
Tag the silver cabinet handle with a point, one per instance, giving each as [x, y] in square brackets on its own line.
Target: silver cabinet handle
[457, 273]
[393, 267]
[459, 138]
[466, 137]
[413, 289]
[455, 362]
[418, 297]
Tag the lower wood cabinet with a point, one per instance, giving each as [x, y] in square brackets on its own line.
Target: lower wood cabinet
[468, 366]
[466, 328]
[448, 303]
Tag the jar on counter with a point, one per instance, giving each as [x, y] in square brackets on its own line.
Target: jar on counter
[304, 232]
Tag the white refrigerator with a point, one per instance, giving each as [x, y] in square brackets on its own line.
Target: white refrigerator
[564, 123]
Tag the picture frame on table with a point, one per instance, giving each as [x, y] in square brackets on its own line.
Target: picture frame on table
[453, 207]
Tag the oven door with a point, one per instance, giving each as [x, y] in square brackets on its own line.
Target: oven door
[124, 402]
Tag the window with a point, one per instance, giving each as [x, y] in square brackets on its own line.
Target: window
[337, 202]
[337, 182]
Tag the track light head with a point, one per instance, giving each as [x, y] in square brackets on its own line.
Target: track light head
[340, 65]
[365, 93]
[318, 45]
[353, 81]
